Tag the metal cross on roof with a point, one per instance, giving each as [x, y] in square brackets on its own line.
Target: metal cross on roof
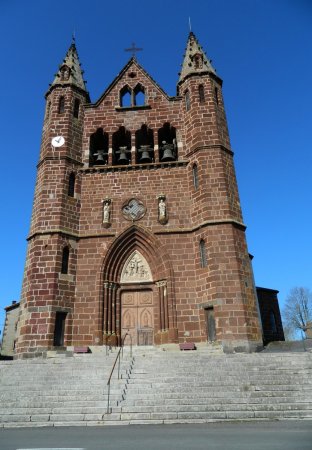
[133, 49]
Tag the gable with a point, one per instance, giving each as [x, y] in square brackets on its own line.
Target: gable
[132, 77]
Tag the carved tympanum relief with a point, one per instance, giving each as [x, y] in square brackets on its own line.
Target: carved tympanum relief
[136, 269]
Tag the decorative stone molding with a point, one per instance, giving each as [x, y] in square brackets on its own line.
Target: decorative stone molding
[136, 269]
[161, 283]
[133, 209]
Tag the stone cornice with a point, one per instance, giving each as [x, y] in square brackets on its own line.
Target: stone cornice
[59, 158]
[78, 236]
[129, 168]
[210, 147]
[204, 224]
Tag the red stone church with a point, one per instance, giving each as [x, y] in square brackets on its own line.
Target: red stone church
[136, 222]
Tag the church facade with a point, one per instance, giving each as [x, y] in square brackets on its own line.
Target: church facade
[136, 224]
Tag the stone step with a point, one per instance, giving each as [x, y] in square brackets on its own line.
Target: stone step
[188, 417]
[164, 402]
[148, 379]
[223, 407]
[164, 387]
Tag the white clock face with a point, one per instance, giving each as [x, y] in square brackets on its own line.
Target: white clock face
[58, 141]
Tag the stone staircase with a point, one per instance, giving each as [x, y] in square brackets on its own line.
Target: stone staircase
[157, 386]
[60, 390]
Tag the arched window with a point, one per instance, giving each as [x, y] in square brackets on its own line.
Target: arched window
[195, 176]
[167, 143]
[98, 147]
[125, 97]
[139, 95]
[76, 108]
[71, 185]
[273, 325]
[61, 105]
[144, 145]
[122, 147]
[187, 101]
[201, 93]
[65, 260]
[65, 73]
[216, 92]
[203, 253]
[198, 61]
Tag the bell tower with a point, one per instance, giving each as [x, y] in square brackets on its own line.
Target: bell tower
[136, 220]
[227, 287]
[50, 270]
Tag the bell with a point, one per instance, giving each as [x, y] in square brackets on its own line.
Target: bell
[100, 157]
[145, 154]
[168, 153]
[123, 159]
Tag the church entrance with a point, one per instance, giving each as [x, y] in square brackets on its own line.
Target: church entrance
[138, 292]
[137, 316]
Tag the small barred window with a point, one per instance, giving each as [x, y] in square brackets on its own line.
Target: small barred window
[201, 93]
[195, 177]
[203, 253]
[65, 260]
[216, 95]
[71, 185]
[61, 105]
[76, 108]
[187, 101]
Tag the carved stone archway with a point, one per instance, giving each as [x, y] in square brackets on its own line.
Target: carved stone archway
[136, 260]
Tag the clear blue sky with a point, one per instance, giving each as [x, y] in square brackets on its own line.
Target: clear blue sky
[260, 48]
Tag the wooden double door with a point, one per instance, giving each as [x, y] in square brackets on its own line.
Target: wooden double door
[137, 316]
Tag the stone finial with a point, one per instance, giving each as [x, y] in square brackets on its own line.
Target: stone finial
[195, 60]
[70, 71]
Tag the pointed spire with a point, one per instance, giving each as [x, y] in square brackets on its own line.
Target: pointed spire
[195, 60]
[70, 70]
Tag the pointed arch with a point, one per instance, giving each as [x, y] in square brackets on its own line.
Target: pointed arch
[125, 96]
[136, 238]
[144, 144]
[139, 95]
[121, 141]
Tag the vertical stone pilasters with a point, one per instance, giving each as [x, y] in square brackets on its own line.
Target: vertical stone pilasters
[163, 305]
[110, 313]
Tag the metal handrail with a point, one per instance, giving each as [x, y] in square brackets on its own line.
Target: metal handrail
[114, 365]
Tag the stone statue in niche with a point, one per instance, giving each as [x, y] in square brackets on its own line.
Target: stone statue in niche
[162, 209]
[107, 212]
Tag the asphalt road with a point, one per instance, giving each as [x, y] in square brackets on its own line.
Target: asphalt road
[286, 435]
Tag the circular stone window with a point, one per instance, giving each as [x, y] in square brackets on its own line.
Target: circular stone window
[133, 209]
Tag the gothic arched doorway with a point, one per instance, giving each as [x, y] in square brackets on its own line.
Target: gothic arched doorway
[138, 290]
[138, 302]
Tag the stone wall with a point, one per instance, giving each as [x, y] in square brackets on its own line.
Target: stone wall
[9, 330]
